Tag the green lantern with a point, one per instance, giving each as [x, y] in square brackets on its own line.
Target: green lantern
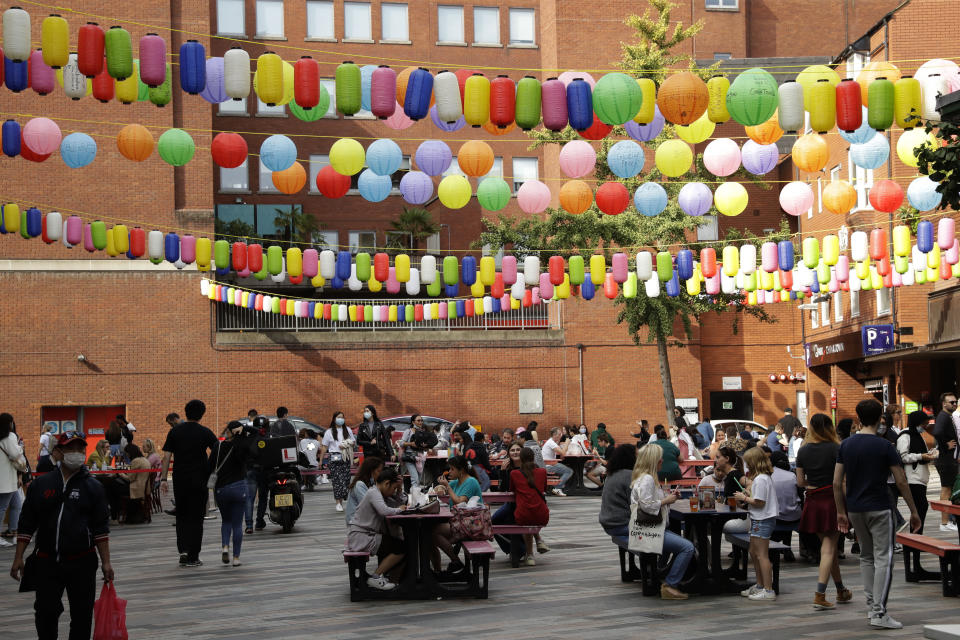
[314, 114]
[575, 266]
[347, 80]
[528, 103]
[617, 98]
[752, 98]
[274, 259]
[363, 263]
[433, 289]
[161, 94]
[221, 254]
[262, 274]
[119, 53]
[451, 270]
[880, 101]
[98, 233]
[175, 147]
[493, 194]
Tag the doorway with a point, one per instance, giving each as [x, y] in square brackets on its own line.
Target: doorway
[731, 405]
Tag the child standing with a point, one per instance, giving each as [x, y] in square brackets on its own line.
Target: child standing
[763, 508]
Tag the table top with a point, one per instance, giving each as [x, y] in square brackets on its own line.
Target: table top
[696, 463]
[681, 509]
[444, 514]
[946, 506]
[577, 457]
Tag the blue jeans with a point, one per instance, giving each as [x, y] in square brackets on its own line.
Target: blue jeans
[679, 547]
[256, 486]
[504, 515]
[231, 500]
[561, 470]
[483, 478]
[414, 474]
[14, 501]
[620, 534]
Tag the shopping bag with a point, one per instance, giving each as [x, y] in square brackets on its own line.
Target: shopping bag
[471, 524]
[646, 536]
[109, 615]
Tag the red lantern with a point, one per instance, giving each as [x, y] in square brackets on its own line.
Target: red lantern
[886, 196]
[597, 131]
[503, 101]
[556, 270]
[878, 244]
[229, 150]
[496, 289]
[327, 311]
[418, 312]
[239, 256]
[527, 298]
[883, 266]
[332, 184]
[462, 75]
[786, 279]
[306, 82]
[708, 262]
[381, 267]
[283, 306]
[104, 85]
[29, 154]
[255, 258]
[90, 51]
[43, 232]
[468, 308]
[849, 106]
[946, 271]
[296, 279]
[138, 242]
[610, 287]
[612, 198]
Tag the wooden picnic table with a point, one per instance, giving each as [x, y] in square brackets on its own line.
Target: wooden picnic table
[489, 497]
[575, 486]
[945, 506]
[705, 528]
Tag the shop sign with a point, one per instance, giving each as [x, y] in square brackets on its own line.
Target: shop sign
[847, 346]
[732, 383]
[876, 338]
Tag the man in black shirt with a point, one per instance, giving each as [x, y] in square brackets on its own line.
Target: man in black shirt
[945, 434]
[189, 442]
[282, 427]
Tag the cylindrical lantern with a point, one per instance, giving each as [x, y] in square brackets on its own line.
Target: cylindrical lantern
[348, 88]
[90, 50]
[270, 87]
[849, 106]
[383, 92]
[104, 87]
[236, 73]
[16, 34]
[790, 110]
[193, 67]
[880, 104]
[528, 103]
[16, 74]
[823, 106]
[416, 103]
[579, 104]
[306, 82]
[74, 83]
[153, 60]
[554, 104]
[446, 88]
[717, 88]
[119, 52]
[42, 77]
[476, 100]
[503, 101]
[55, 40]
[933, 86]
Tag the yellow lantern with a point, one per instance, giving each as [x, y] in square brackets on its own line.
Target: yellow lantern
[673, 158]
[454, 191]
[839, 197]
[908, 143]
[698, 131]
[401, 267]
[562, 291]
[901, 240]
[730, 198]
[598, 269]
[809, 77]
[648, 89]
[731, 260]
[347, 156]
[128, 89]
[831, 249]
[488, 270]
[288, 86]
[933, 260]
[862, 268]
[810, 153]
[121, 238]
[270, 78]
[318, 281]
[717, 87]
[55, 41]
[476, 289]
[204, 251]
[693, 284]
[374, 285]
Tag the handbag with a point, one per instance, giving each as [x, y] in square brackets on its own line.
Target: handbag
[409, 455]
[212, 480]
[955, 493]
[28, 581]
[471, 524]
[19, 461]
[642, 517]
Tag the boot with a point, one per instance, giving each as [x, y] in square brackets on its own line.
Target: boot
[820, 602]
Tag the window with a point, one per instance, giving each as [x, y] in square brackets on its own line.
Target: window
[399, 240]
[722, 56]
[708, 230]
[235, 180]
[838, 306]
[326, 240]
[450, 24]
[233, 108]
[835, 173]
[486, 25]
[230, 18]
[862, 180]
[825, 313]
[854, 304]
[819, 198]
[277, 110]
[453, 169]
[433, 243]
[395, 26]
[320, 20]
[269, 18]
[496, 171]
[362, 241]
[397, 175]
[270, 220]
[721, 4]
[497, 257]
[522, 26]
[266, 180]
[883, 301]
[331, 86]
[317, 162]
[235, 219]
[524, 169]
[356, 21]
[814, 319]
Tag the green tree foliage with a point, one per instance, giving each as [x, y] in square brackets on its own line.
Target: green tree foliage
[295, 225]
[417, 223]
[942, 163]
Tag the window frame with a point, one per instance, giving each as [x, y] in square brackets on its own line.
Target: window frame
[838, 306]
[245, 167]
[264, 111]
[711, 223]
[383, 21]
[884, 301]
[462, 41]
[322, 244]
[330, 84]
[369, 33]
[270, 188]
[480, 10]
[515, 185]
[270, 36]
[511, 41]
[241, 14]
[854, 304]
[333, 21]
[721, 5]
[244, 113]
[355, 246]
[319, 161]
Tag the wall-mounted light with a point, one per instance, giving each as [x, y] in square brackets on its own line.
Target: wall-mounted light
[81, 358]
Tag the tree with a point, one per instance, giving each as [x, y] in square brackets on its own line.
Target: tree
[295, 225]
[565, 234]
[941, 162]
[417, 223]
[234, 229]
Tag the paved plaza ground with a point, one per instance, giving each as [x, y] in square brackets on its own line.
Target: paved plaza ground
[295, 586]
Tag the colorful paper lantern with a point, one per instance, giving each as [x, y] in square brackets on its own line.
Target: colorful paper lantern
[75, 85]
[229, 150]
[683, 98]
[433, 157]
[331, 183]
[796, 198]
[236, 73]
[579, 104]
[554, 104]
[162, 94]
[454, 191]
[695, 199]
[383, 92]
[849, 106]
[11, 138]
[533, 196]
[647, 111]
[373, 187]
[596, 131]
[119, 52]
[493, 194]
[871, 154]
[790, 111]
[722, 157]
[717, 88]
[475, 158]
[649, 131]
[278, 152]
[880, 104]
[416, 187]
[810, 153]
[476, 100]
[673, 158]
[577, 158]
[759, 159]
[822, 106]
[839, 197]
[291, 180]
[175, 147]
[576, 196]
[16, 34]
[873, 70]
[503, 102]
[886, 196]
[910, 142]
[42, 135]
[384, 157]
[923, 195]
[697, 132]
[731, 198]
[418, 95]
[625, 159]
[612, 198]
[810, 76]
[528, 103]
[78, 150]
[348, 88]
[616, 98]
[752, 97]
[193, 72]
[42, 77]
[153, 59]
[650, 199]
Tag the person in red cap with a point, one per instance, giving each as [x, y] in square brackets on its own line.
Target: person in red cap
[68, 513]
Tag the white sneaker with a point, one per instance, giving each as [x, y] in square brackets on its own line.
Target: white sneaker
[381, 583]
[339, 507]
[885, 622]
[324, 480]
[559, 492]
[236, 562]
[950, 526]
[4, 543]
[764, 595]
[746, 593]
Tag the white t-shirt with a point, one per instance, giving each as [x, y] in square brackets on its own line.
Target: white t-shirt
[763, 489]
[578, 446]
[332, 443]
[310, 448]
[45, 447]
[550, 450]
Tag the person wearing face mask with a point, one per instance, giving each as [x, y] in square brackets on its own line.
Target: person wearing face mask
[373, 437]
[66, 511]
[338, 441]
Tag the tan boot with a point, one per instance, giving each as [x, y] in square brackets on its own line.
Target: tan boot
[820, 602]
[669, 593]
[844, 596]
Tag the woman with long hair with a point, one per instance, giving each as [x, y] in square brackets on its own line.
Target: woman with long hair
[476, 453]
[763, 507]
[529, 483]
[648, 495]
[461, 486]
[10, 451]
[229, 462]
[373, 436]
[670, 467]
[338, 441]
[136, 510]
[364, 479]
[114, 435]
[368, 529]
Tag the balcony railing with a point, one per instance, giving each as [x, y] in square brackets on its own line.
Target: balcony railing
[539, 317]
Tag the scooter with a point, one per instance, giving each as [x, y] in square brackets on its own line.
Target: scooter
[285, 499]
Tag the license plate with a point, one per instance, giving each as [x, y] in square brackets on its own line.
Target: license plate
[283, 500]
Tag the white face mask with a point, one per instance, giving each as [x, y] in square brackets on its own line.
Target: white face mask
[583, 429]
[340, 421]
[73, 460]
[367, 415]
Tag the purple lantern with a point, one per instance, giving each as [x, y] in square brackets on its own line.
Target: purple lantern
[416, 187]
[759, 159]
[646, 132]
[695, 198]
[214, 92]
[446, 126]
[433, 157]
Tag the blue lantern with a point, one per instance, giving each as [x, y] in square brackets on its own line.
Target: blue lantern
[673, 286]
[579, 104]
[468, 270]
[374, 188]
[278, 152]
[685, 264]
[34, 222]
[815, 286]
[625, 159]
[416, 102]
[366, 77]
[252, 301]
[587, 289]
[15, 74]
[11, 138]
[650, 199]
[863, 134]
[785, 255]
[461, 308]
[193, 67]
[78, 150]
[871, 154]
[384, 157]
[225, 271]
[311, 309]
[925, 236]
[343, 265]
[451, 290]
[171, 247]
[496, 305]
[923, 195]
[337, 283]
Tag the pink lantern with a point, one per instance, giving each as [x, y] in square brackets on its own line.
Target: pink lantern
[535, 295]
[620, 267]
[577, 158]
[946, 232]
[188, 249]
[43, 79]
[569, 76]
[88, 238]
[153, 60]
[952, 254]
[796, 198]
[311, 263]
[533, 196]
[769, 257]
[74, 234]
[399, 120]
[713, 284]
[722, 157]
[843, 268]
[508, 269]
[42, 136]
[393, 285]
[546, 286]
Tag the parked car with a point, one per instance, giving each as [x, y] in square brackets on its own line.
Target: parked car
[297, 422]
[741, 425]
[441, 426]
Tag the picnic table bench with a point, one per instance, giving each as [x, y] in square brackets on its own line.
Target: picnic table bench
[641, 567]
[948, 553]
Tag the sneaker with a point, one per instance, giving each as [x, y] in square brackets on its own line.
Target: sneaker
[183, 558]
[248, 530]
[844, 596]
[455, 566]
[529, 561]
[820, 602]
[542, 547]
[855, 548]
[261, 525]
[381, 583]
[225, 556]
[669, 593]
[950, 526]
[324, 480]
[559, 492]
[192, 563]
[339, 507]
[236, 562]
[765, 595]
[4, 543]
[746, 593]
[885, 622]
[8, 534]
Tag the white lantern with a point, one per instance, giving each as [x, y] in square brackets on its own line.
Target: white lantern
[155, 245]
[790, 107]
[531, 270]
[16, 34]
[446, 90]
[644, 266]
[236, 73]
[63, 236]
[517, 289]
[652, 287]
[919, 259]
[413, 284]
[54, 225]
[74, 82]
[328, 264]
[204, 287]
[858, 246]
[280, 277]
[728, 284]
[354, 283]
[487, 304]
[342, 313]
[907, 279]
[748, 259]
[931, 87]
[428, 269]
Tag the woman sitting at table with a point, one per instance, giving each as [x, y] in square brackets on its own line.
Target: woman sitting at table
[670, 469]
[719, 439]
[136, 512]
[365, 478]
[529, 483]
[648, 495]
[461, 486]
[368, 529]
[505, 514]
[615, 500]
[100, 458]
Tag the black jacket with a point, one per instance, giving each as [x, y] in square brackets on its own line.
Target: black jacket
[67, 520]
[375, 441]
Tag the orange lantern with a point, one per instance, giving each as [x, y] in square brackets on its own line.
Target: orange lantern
[683, 98]
[494, 130]
[402, 78]
[839, 197]
[810, 153]
[576, 196]
[873, 70]
[135, 142]
[766, 133]
[475, 158]
[291, 179]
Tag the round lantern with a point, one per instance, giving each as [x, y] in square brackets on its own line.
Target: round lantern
[796, 198]
[229, 150]
[416, 187]
[839, 197]
[759, 159]
[476, 100]
[722, 157]
[612, 198]
[291, 180]
[119, 53]
[923, 195]
[278, 152]
[577, 158]
[616, 98]
[449, 127]
[214, 91]
[886, 196]
[384, 157]
[695, 199]
[528, 103]
[873, 70]
[42, 135]
[810, 153]
[331, 183]
[765, 133]
[162, 93]
[731, 198]
[625, 158]
[554, 104]
[863, 133]
[503, 102]
[16, 34]
[752, 97]
[533, 196]
[871, 154]
[433, 157]
[175, 147]
[153, 59]
[373, 187]
[649, 131]
[576, 196]
[78, 150]
[236, 73]
[809, 77]
[475, 158]
[418, 96]
[683, 98]
[596, 131]
[383, 92]
[193, 70]
[135, 142]
[910, 143]
[42, 77]
[673, 158]
[697, 132]
[493, 194]
[650, 199]
[29, 154]
[946, 68]
[579, 104]
[454, 192]
[881, 103]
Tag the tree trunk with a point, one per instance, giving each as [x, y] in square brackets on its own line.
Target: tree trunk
[667, 381]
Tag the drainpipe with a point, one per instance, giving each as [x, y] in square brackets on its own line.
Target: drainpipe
[897, 368]
[580, 358]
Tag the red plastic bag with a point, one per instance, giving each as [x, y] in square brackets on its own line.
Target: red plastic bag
[109, 615]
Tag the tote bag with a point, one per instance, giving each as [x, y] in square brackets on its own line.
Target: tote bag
[646, 536]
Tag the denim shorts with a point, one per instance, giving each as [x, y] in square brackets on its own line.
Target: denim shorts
[762, 528]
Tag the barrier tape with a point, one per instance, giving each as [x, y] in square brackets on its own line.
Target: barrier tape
[108, 472]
